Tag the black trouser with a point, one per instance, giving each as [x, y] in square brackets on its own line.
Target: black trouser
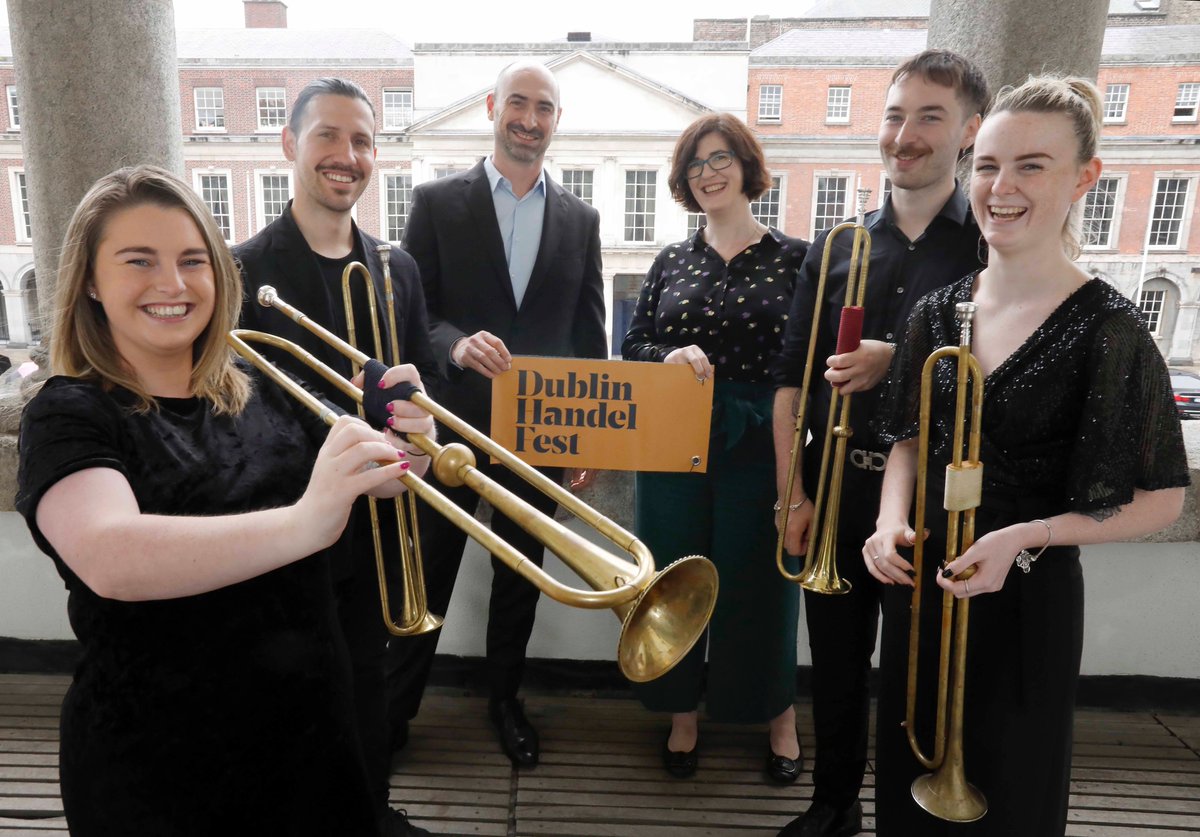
[841, 638]
[361, 621]
[513, 602]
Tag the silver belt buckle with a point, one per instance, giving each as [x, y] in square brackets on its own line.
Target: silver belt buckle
[868, 460]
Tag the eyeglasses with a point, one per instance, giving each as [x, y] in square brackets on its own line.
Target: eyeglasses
[717, 161]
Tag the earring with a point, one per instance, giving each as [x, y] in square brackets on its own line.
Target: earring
[981, 251]
[92, 295]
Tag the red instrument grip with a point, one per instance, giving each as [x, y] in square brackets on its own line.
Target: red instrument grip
[850, 329]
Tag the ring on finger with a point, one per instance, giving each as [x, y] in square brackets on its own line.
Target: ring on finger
[967, 586]
[874, 557]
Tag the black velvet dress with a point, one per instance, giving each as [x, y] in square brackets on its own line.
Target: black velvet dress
[227, 712]
[1073, 421]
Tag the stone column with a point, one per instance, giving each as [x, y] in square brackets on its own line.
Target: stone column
[99, 87]
[1183, 340]
[1010, 39]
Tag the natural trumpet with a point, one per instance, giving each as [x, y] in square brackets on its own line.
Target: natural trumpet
[662, 614]
[819, 573]
[946, 793]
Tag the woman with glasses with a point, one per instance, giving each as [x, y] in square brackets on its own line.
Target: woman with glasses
[717, 302]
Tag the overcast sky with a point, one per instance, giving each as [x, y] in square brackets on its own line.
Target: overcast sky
[473, 20]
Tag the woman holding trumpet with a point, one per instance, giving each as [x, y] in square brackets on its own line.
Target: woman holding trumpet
[717, 303]
[1080, 443]
[190, 506]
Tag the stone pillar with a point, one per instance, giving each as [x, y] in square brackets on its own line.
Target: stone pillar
[1183, 340]
[99, 86]
[1011, 39]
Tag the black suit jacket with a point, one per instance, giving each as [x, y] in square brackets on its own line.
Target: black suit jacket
[453, 235]
[279, 256]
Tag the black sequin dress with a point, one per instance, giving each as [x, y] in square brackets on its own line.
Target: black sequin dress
[1075, 420]
[227, 712]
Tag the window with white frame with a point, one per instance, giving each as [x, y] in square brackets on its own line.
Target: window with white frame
[1099, 213]
[766, 209]
[214, 190]
[579, 183]
[1166, 219]
[829, 205]
[398, 201]
[22, 222]
[695, 220]
[272, 107]
[14, 109]
[1116, 100]
[1187, 100]
[210, 108]
[770, 102]
[885, 189]
[274, 191]
[445, 171]
[1152, 303]
[837, 104]
[397, 109]
[640, 188]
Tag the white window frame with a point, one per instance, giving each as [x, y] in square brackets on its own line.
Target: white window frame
[1185, 221]
[1187, 94]
[836, 117]
[780, 205]
[770, 103]
[1116, 94]
[258, 108]
[197, 183]
[847, 206]
[260, 195]
[1114, 227]
[652, 229]
[1153, 314]
[590, 200]
[885, 187]
[393, 116]
[14, 108]
[384, 189]
[209, 129]
[22, 217]
[694, 221]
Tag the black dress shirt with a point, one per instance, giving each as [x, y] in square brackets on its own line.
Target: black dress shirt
[900, 272]
[735, 312]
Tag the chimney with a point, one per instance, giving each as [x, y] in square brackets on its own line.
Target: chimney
[579, 37]
[265, 14]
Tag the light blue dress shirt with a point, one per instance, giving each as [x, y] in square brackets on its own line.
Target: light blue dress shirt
[520, 221]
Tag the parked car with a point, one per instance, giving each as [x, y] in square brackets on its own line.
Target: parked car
[1187, 392]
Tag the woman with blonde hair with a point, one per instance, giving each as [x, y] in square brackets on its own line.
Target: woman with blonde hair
[1081, 445]
[190, 506]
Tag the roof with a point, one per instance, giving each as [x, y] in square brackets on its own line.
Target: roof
[885, 46]
[300, 46]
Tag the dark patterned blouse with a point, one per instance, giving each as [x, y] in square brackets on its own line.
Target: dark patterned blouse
[734, 312]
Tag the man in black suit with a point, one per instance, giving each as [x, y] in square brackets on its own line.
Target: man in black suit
[330, 139]
[510, 263]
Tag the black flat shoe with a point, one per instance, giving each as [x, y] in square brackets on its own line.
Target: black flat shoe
[823, 820]
[681, 765]
[518, 738]
[783, 770]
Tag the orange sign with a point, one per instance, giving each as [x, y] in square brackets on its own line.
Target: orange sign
[612, 414]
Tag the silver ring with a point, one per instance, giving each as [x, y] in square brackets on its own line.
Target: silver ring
[967, 585]
[874, 557]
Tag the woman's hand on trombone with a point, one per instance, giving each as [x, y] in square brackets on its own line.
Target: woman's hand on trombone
[883, 560]
[406, 417]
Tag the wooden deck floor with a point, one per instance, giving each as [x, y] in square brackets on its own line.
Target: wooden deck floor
[1134, 775]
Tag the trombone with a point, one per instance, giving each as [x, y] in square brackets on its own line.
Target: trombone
[819, 573]
[662, 613]
[946, 793]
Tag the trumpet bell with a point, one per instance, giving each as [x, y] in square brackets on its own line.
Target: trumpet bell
[947, 795]
[662, 624]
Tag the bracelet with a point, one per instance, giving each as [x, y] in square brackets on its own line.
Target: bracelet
[1025, 558]
[792, 507]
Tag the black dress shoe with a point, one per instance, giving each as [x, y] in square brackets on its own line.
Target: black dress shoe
[396, 824]
[824, 820]
[783, 770]
[518, 738]
[681, 765]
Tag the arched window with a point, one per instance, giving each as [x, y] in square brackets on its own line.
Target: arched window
[1159, 301]
[28, 285]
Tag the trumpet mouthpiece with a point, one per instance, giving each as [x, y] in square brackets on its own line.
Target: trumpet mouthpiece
[267, 296]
